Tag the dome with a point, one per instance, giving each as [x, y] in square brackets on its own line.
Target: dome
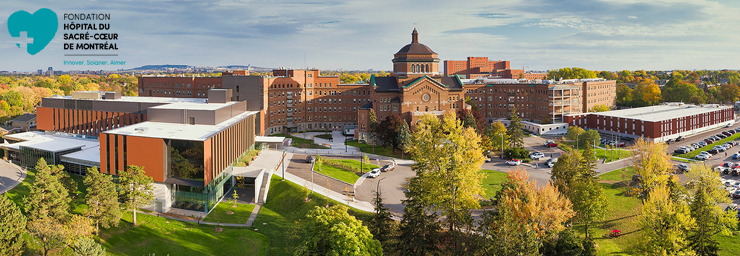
[415, 47]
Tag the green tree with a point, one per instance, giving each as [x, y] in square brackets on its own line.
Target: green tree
[624, 95]
[12, 227]
[404, 137]
[652, 164]
[14, 98]
[665, 224]
[373, 127]
[499, 136]
[515, 132]
[574, 132]
[87, 247]
[64, 79]
[101, 199]
[136, 188]
[48, 197]
[706, 209]
[319, 162]
[565, 172]
[590, 137]
[51, 234]
[448, 163]
[588, 163]
[388, 130]
[419, 230]
[589, 203]
[469, 120]
[381, 225]
[332, 231]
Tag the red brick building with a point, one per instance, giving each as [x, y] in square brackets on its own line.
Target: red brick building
[475, 67]
[656, 123]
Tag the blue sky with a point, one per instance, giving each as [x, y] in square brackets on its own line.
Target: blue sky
[349, 35]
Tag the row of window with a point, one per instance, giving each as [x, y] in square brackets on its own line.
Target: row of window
[183, 85]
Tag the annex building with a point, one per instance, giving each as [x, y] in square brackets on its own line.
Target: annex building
[475, 67]
[187, 145]
[656, 123]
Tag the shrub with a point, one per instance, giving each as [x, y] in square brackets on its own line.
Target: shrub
[516, 153]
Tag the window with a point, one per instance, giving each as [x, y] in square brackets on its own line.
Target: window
[191, 120]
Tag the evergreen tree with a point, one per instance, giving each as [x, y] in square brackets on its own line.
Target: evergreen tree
[372, 127]
[48, 197]
[381, 224]
[515, 132]
[588, 163]
[87, 247]
[701, 236]
[12, 227]
[101, 199]
[136, 188]
[706, 209]
[404, 137]
[419, 229]
[469, 120]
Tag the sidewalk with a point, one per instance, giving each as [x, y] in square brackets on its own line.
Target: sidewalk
[10, 176]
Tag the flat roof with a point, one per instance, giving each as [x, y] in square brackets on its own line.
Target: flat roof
[143, 99]
[196, 132]
[194, 106]
[90, 154]
[48, 142]
[269, 139]
[663, 112]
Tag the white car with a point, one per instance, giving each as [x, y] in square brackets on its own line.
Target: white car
[514, 162]
[374, 173]
[701, 157]
[551, 162]
[536, 155]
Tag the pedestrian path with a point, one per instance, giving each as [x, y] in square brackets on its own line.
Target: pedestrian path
[10, 176]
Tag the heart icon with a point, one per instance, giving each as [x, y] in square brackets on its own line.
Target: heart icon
[40, 27]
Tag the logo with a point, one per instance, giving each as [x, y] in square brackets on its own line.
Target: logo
[35, 31]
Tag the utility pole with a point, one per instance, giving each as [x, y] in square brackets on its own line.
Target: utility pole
[283, 163]
[312, 165]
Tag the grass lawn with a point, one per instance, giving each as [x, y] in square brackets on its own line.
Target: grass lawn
[240, 216]
[284, 209]
[682, 159]
[621, 214]
[692, 154]
[612, 154]
[492, 183]
[324, 136]
[301, 142]
[161, 236]
[343, 174]
[379, 150]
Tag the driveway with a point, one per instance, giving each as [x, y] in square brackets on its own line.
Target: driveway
[10, 176]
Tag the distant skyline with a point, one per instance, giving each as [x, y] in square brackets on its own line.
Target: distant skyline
[359, 35]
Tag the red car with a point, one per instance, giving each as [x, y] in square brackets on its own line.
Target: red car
[551, 144]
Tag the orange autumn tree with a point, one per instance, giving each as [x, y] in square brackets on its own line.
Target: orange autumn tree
[527, 216]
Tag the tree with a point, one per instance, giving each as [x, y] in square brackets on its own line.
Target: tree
[574, 132]
[14, 98]
[388, 130]
[319, 162]
[404, 137]
[381, 224]
[12, 227]
[665, 224]
[332, 231]
[515, 132]
[624, 95]
[706, 210]
[373, 127]
[87, 247]
[469, 121]
[652, 165]
[448, 163]
[499, 136]
[651, 93]
[590, 137]
[565, 171]
[51, 234]
[48, 197]
[101, 199]
[589, 203]
[64, 79]
[527, 216]
[234, 197]
[136, 188]
[599, 108]
[419, 229]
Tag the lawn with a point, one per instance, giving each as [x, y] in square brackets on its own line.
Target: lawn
[301, 142]
[324, 136]
[343, 173]
[161, 236]
[283, 211]
[682, 159]
[692, 154]
[379, 150]
[621, 214]
[240, 216]
[492, 183]
[612, 154]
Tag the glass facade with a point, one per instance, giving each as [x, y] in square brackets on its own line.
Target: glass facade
[30, 156]
[186, 159]
[201, 198]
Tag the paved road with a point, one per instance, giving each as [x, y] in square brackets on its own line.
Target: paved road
[10, 176]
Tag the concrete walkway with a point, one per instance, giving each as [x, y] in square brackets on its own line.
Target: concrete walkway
[10, 176]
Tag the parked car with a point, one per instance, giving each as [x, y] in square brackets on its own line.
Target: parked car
[620, 144]
[701, 143]
[680, 138]
[701, 157]
[721, 136]
[721, 169]
[551, 162]
[726, 133]
[713, 151]
[736, 155]
[487, 159]
[628, 138]
[669, 141]
[684, 167]
[309, 159]
[536, 155]
[727, 171]
[514, 162]
[387, 167]
[732, 131]
[736, 194]
[681, 151]
[726, 164]
[374, 173]
[728, 125]
[551, 144]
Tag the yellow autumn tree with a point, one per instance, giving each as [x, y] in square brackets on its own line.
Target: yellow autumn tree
[448, 160]
[652, 164]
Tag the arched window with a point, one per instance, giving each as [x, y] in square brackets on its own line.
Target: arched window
[427, 68]
[413, 68]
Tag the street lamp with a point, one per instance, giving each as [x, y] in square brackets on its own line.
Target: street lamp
[377, 188]
[283, 163]
[502, 145]
[312, 165]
